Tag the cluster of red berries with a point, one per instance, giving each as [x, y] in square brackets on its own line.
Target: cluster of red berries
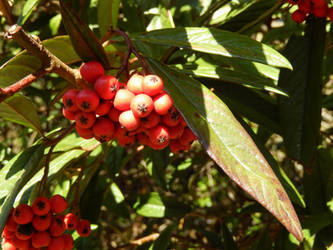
[318, 8]
[42, 226]
[139, 111]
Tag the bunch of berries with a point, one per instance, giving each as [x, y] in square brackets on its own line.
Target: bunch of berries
[42, 226]
[319, 8]
[139, 111]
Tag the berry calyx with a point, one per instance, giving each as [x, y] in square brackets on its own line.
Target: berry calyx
[58, 204]
[142, 105]
[69, 100]
[41, 206]
[90, 71]
[152, 85]
[87, 100]
[172, 118]
[85, 120]
[106, 86]
[159, 135]
[24, 232]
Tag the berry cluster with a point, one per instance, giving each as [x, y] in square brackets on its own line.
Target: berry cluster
[139, 111]
[42, 225]
[319, 8]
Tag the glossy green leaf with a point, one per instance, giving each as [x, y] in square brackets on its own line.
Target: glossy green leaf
[153, 205]
[21, 110]
[24, 63]
[107, 15]
[162, 18]
[14, 175]
[215, 41]
[27, 9]
[300, 114]
[161, 243]
[84, 41]
[228, 144]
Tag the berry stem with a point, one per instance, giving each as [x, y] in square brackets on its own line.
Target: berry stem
[66, 131]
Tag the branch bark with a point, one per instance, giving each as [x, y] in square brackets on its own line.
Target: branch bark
[6, 11]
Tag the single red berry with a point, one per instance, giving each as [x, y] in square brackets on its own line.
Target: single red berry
[6, 234]
[85, 133]
[103, 129]
[85, 120]
[127, 141]
[57, 243]
[106, 87]
[330, 13]
[87, 100]
[41, 239]
[7, 245]
[68, 240]
[298, 16]
[20, 244]
[41, 206]
[90, 71]
[182, 121]
[142, 105]
[121, 132]
[319, 3]
[157, 146]
[176, 147]
[162, 103]
[114, 114]
[305, 6]
[159, 135]
[83, 228]
[172, 118]
[151, 120]
[23, 214]
[68, 114]
[25, 231]
[134, 84]
[142, 139]
[58, 204]
[320, 12]
[42, 223]
[11, 224]
[122, 100]
[152, 85]
[57, 226]
[70, 221]
[175, 132]
[129, 121]
[103, 107]
[187, 137]
[69, 100]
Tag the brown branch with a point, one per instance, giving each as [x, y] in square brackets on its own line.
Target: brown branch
[5, 8]
[139, 242]
[43, 183]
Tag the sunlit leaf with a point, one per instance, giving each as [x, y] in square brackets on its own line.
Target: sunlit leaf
[27, 10]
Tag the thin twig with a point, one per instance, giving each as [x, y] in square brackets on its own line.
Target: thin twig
[139, 242]
[65, 132]
[43, 183]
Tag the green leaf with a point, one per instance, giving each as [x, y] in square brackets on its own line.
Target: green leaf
[215, 41]
[84, 41]
[300, 114]
[161, 243]
[14, 175]
[228, 144]
[154, 206]
[27, 10]
[162, 18]
[107, 15]
[21, 110]
[24, 63]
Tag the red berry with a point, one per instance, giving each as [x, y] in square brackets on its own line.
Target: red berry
[159, 135]
[90, 71]
[182, 121]
[106, 87]
[6, 234]
[152, 85]
[114, 114]
[129, 121]
[176, 131]
[70, 221]
[330, 13]
[142, 105]
[68, 114]
[20, 244]
[41, 239]
[172, 118]
[304, 6]
[69, 100]
[143, 139]
[83, 228]
[176, 147]
[319, 3]
[85, 133]
[24, 232]
[103, 107]
[42, 223]
[134, 84]
[87, 100]
[11, 224]
[157, 146]
[41, 205]
[57, 243]
[85, 120]
[57, 226]
[122, 100]
[23, 214]
[126, 141]
[162, 103]
[293, 2]
[68, 240]
[320, 12]
[7, 245]
[151, 120]
[58, 204]
[187, 137]
[298, 16]
[103, 129]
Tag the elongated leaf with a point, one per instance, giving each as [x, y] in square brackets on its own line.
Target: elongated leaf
[21, 110]
[215, 41]
[107, 15]
[24, 63]
[161, 243]
[162, 18]
[84, 41]
[15, 175]
[228, 144]
[300, 114]
[27, 10]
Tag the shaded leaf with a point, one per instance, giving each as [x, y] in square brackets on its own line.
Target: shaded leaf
[228, 144]
[161, 243]
[14, 175]
[84, 41]
[215, 41]
[227, 240]
[21, 110]
[27, 10]
[107, 15]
